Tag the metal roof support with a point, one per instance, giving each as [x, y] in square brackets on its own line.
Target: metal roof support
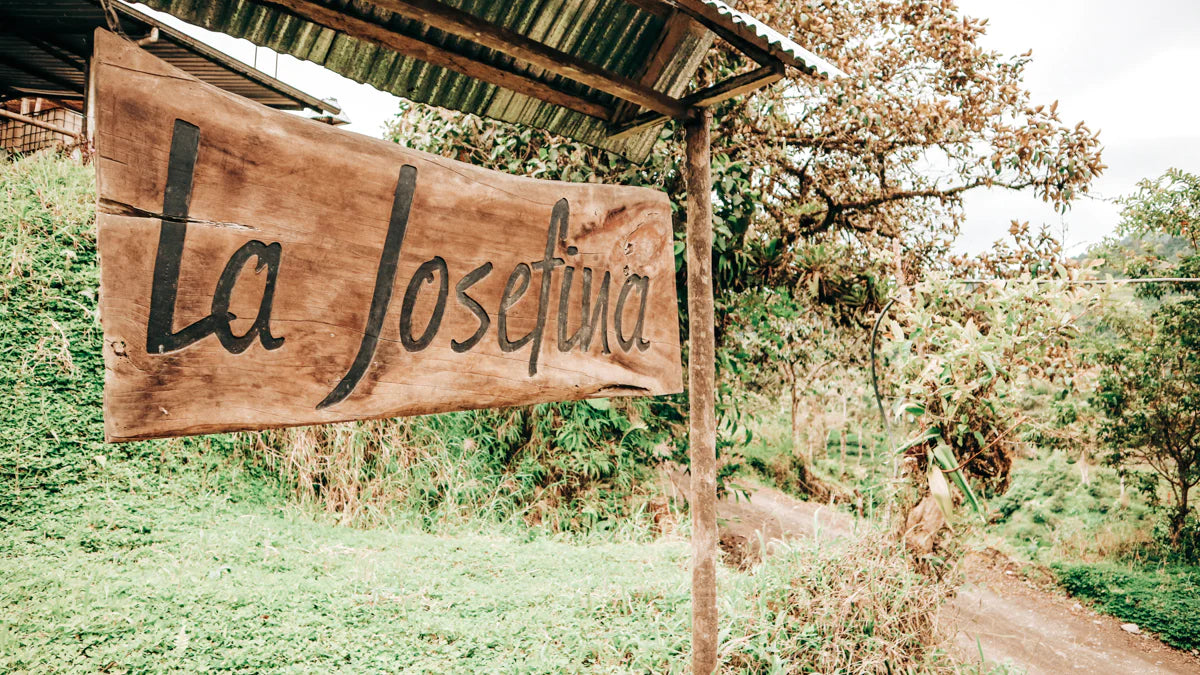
[702, 419]
[430, 53]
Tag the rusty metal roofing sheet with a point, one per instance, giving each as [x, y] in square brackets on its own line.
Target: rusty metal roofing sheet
[620, 36]
[614, 34]
[770, 37]
[45, 44]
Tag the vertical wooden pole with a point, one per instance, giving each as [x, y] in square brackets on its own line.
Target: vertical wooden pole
[701, 393]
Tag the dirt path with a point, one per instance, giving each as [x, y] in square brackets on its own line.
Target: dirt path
[1009, 619]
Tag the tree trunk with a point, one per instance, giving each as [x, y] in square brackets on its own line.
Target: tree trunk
[796, 432]
[1179, 520]
[799, 473]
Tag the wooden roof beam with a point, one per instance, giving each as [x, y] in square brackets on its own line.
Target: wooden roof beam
[59, 55]
[470, 27]
[675, 28]
[373, 33]
[710, 18]
[709, 96]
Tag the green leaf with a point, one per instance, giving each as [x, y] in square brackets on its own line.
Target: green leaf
[939, 489]
[927, 435]
[599, 403]
[945, 458]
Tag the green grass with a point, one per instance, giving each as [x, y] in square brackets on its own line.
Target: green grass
[1163, 600]
[138, 573]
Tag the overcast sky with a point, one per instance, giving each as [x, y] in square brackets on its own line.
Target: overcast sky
[1126, 68]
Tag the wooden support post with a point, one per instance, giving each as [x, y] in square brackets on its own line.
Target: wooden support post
[701, 393]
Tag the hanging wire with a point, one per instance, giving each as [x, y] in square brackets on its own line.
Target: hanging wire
[1066, 282]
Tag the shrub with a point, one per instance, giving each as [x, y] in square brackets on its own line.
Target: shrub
[561, 466]
[50, 363]
[857, 608]
[1163, 600]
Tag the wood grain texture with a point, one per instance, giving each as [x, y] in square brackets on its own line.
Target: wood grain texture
[702, 421]
[291, 217]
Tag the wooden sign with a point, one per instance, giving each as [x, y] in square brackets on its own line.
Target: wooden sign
[263, 270]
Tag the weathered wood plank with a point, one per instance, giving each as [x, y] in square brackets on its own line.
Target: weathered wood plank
[737, 85]
[250, 258]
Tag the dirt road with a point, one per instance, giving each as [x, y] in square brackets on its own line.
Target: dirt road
[995, 612]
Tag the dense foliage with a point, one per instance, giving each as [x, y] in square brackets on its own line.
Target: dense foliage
[1149, 387]
[1163, 600]
[50, 357]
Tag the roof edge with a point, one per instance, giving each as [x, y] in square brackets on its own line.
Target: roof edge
[228, 61]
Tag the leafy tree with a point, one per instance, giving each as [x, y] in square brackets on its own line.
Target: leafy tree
[1167, 205]
[961, 358]
[926, 115]
[1149, 389]
[1150, 396]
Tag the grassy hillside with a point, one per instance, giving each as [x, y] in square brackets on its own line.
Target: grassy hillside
[197, 555]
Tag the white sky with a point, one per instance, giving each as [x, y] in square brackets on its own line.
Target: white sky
[1125, 67]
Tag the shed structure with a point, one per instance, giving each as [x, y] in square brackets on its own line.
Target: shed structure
[604, 72]
[45, 48]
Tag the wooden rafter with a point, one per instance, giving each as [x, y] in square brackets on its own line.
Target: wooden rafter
[470, 27]
[735, 86]
[710, 18]
[57, 53]
[676, 27]
[430, 53]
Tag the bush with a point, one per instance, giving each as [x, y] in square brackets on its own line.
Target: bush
[560, 466]
[857, 608]
[1051, 515]
[1163, 600]
[50, 363]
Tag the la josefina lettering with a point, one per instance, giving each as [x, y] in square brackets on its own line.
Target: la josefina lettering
[261, 270]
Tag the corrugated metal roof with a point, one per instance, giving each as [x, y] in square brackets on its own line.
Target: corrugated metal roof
[613, 34]
[45, 44]
[773, 38]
